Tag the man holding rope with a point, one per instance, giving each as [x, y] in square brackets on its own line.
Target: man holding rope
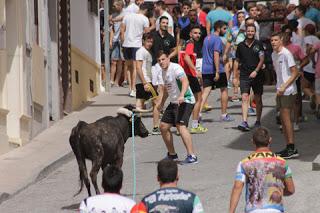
[145, 89]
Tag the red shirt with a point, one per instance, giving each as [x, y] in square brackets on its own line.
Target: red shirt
[189, 51]
[202, 18]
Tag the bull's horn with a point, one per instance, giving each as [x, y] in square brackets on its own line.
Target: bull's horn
[124, 111]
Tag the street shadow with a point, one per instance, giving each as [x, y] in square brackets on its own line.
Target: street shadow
[307, 140]
[74, 207]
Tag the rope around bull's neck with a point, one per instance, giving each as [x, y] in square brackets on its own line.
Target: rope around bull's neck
[134, 160]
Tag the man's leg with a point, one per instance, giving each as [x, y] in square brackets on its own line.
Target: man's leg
[245, 105]
[196, 109]
[258, 100]
[224, 100]
[119, 72]
[186, 138]
[167, 137]
[140, 103]
[205, 95]
[285, 114]
[133, 75]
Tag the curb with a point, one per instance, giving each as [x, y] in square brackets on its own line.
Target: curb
[316, 164]
[4, 196]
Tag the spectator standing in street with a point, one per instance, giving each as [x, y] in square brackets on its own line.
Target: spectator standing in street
[169, 198]
[188, 62]
[266, 176]
[177, 113]
[144, 87]
[213, 74]
[316, 49]
[132, 28]
[219, 13]
[197, 5]
[115, 45]
[302, 20]
[160, 10]
[250, 56]
[287, 73]
[111, 200]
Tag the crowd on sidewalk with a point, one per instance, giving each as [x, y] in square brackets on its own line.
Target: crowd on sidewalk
[183, 52]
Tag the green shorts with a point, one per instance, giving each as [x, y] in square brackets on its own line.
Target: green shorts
[286, 101]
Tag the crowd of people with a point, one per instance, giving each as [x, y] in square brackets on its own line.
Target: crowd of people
[178, 54]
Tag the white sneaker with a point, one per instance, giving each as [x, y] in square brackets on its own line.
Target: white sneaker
[132, 93]
[296, 127]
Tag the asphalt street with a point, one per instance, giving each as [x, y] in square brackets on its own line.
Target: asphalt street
[219, 151]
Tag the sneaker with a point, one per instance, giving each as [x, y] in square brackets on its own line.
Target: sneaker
[288, 153]
[206, 108]
[132, 94]
[198, 130]
[235, 99]
[251, 111]
[244, 126]
[257, 124]
[226, 118]
[171, 157]
[296, 127]
[125, 84]
[280, 127]
[190, 159]
[156, 131]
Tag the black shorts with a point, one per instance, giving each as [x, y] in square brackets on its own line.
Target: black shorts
[208, 81]
[309, 77]
[129, 53]
[177, 114]
[256, 84]
[194, 84]
[142, 94]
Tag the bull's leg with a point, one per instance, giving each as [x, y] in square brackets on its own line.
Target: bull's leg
[96, 164]
[86, 178]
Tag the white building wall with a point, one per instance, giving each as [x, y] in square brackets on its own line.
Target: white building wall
[85, 29]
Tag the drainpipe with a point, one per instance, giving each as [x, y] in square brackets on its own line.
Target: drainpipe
[106, 46]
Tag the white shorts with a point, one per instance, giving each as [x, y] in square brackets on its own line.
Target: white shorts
[156, 75]
[317, 86]
[199, 64]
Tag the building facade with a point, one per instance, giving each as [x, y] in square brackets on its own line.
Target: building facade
[49, 63]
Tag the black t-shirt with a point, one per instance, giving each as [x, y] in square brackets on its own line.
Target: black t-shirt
[165, 43]
[249, 57]
[185, 33]
[173, 200]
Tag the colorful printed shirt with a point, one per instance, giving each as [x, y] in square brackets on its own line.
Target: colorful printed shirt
[173, 200]
[263, 174]
[171, 79]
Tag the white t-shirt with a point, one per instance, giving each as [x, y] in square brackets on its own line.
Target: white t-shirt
[144, 55]
[311, 40]
[171, 79]
[135, 24]
[132, 8]
[303, 21]
[107, 202]
[170, 22]
[282, 63]
[296, 39]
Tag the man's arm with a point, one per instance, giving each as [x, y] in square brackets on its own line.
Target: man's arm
[258, 68]
[122, 31]
[188, 60]
[140, 73]
[208, 27]
[173, 52]
[284, 86]
[289, 188]
[235, 195]
[184, 87]
[216, 57]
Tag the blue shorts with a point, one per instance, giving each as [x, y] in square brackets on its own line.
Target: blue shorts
[129, 53]
[116, 51]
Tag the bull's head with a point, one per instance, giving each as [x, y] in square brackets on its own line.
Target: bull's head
[139, 128]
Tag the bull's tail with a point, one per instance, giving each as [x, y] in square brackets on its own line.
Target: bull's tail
[74, 141]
